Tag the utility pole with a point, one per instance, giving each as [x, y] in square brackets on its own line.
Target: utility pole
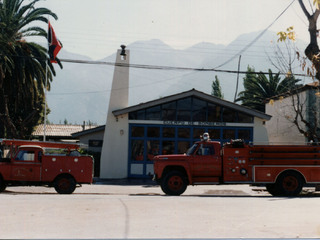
[236, 93]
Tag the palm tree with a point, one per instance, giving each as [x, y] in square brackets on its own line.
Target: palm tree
[258, 88]
[22, 67]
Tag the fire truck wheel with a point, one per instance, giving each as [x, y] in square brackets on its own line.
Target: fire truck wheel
[273, 189]
[3, 185]
[290, 183]
[65, 184]
[174, 183]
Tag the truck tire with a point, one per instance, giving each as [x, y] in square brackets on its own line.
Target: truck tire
[64, 184]
[3, 185]
[272, 188]
[289, 183]
[174, 183]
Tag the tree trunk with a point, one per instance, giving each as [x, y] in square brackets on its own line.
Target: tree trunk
[312, 51]
[10, 127]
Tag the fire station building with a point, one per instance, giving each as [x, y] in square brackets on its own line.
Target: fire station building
[135, 134]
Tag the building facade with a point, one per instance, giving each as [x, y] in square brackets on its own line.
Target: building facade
[172, 124]
[134, 135]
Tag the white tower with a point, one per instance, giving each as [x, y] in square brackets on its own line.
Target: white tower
[114, 160]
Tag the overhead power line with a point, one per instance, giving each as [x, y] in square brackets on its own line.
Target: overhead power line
[257, 38]
[157, 67]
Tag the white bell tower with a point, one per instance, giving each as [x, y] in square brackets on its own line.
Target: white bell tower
[114, 160]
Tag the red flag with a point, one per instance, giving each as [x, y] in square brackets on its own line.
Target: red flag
[54, 44]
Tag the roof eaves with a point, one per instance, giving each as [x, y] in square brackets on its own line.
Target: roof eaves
[153, 102]
[189, 93]
[88, 131]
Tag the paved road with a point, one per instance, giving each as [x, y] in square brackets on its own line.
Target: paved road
[131, 211]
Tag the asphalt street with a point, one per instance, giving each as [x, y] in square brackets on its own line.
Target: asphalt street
[142, 211]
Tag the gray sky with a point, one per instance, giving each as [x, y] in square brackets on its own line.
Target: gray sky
[97, 28]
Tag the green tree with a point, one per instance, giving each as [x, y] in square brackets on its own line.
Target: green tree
[216, 88]
[259, 87]
[22, 67]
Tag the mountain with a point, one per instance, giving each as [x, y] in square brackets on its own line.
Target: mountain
[225, 59]
[80, 92]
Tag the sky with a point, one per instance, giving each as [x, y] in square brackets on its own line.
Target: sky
[97, 28]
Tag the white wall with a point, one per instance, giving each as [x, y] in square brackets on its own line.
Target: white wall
[281, 129]
[260, 135]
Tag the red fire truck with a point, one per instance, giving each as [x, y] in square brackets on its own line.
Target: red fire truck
[283, 169]
[53, 164]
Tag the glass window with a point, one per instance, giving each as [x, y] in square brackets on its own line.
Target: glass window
[141, 115]
[95, 143]
[192, 149]
[153, 132]
[183, 115]
[214, 113]
[244, 134]
[168, 132]
[137, 115]
[183, 132]
[25, 155]
[167, 147]
[169, 111]
[133, 115]
[244, 118]
[184, 104]
[183, 147]
[229, 115]
[153, 149]
[205, 150]
[184, 109]
[197, 132]
[153, 113]
[170, 105]
[199, 110]
[137, 149]
[229, 134]
[168, 115]
[214, 133]
[137, 131]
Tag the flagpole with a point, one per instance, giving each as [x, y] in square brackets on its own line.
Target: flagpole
[54, 46]
[45, 104]
[45, 92]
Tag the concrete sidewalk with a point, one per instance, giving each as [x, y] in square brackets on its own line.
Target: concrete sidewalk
[125, 181]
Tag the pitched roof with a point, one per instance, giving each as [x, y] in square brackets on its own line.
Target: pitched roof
[59, 130]
[89, 131]
[198, 94]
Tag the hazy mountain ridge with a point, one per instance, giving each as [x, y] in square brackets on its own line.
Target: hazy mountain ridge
[80, 92]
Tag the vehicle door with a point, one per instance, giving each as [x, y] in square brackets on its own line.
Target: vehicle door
[26, 165]
[206, 161]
